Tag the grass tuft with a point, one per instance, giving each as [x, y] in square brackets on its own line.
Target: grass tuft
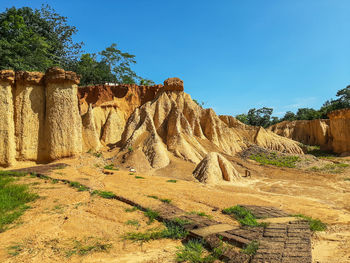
[199, 213]
[111, 167]
[251, 248]
[171, 181]
[133, 209]
[193, 252]
[132, 223]
[138, 177]
[333, 168]
[243, 216]
[104, 194]
[315, 224]
[152, 215]
[78, 186]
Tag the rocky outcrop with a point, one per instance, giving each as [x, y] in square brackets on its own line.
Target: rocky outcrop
[91, 140]
[340, 131]
[313, 132]
[215, 169]
[63, 122]
[174, 123]
[173, 84]
[113, 128]
[39, 114]
[7, 129]
[29, 94]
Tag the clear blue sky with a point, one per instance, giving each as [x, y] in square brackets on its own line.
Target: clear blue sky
[231, 54]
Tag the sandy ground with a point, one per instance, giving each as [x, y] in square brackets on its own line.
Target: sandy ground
[49, 231]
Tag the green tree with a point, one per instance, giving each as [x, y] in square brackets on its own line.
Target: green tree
[307, 114]
[289, 116]
[36, 39]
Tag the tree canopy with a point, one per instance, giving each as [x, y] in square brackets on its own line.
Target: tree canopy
[262, 117]
[35, 40]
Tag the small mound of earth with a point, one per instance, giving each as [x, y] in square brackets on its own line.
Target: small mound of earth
[215, 169]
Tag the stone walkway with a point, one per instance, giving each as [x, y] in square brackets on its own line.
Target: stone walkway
[278, 242]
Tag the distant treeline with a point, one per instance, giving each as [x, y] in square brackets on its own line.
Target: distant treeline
[34, 40]
[262, 117]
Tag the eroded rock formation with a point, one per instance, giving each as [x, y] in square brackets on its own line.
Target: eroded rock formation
[313, 132]
[174, 123]
[340, 131]
[7, 129]
[43, 123]
[215, 169]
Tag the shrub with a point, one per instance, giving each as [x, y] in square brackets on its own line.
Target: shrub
[251, 248]
[152, 215]
[193, 252]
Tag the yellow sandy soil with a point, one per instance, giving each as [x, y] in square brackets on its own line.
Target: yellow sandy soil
[63, 215]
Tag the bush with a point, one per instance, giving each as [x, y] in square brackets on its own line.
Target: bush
[251, 248]
[315, 224]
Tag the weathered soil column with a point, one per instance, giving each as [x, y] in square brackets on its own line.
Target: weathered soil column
[63, 123]
[340, 131]
[29, 115]
[7, 130]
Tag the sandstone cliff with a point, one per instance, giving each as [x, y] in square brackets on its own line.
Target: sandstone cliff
[174, 123]
[7, 129]
[313, 132]
[340, 131]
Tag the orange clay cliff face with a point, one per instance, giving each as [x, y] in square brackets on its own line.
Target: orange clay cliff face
[47, 116]
[332, 134]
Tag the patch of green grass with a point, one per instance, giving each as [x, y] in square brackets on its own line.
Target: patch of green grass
[243, 216]
[111, 167]
[133, 209]
[54, 181]
[13, 200]
[194, 252]
[165, 200]
[138, 177]
[132, 223]
[316, 151]
[104, 194]
[12, 174]
[15, 249]
[181, 221]
[275, 159]
[334, 168]
[98, 155]
[130, 149]
[78, 186]
[199, 213]
[171, 230]
[171, 181]
[315, 224]
[86, 247]
[152, 215]
[153, 196]
[251, 248]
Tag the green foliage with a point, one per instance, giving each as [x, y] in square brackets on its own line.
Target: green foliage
[251, 248]
[315, 224]
[243, 216]
[333, 168]
[146, 82]
[171, 181]
[139, 177]
[165, 200]
[15, 249]
[200, 214]
[36, 39]
[87, 246]
[153, 196]
[171, 231]
[111, 167]
[104, 194]
[133, 223]
[257, 117]
[276, 159]
[133, 209]
[200, 104]
[13, 199]
[78, 186]
[194, 252]
[182, 222]
[152, 215]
